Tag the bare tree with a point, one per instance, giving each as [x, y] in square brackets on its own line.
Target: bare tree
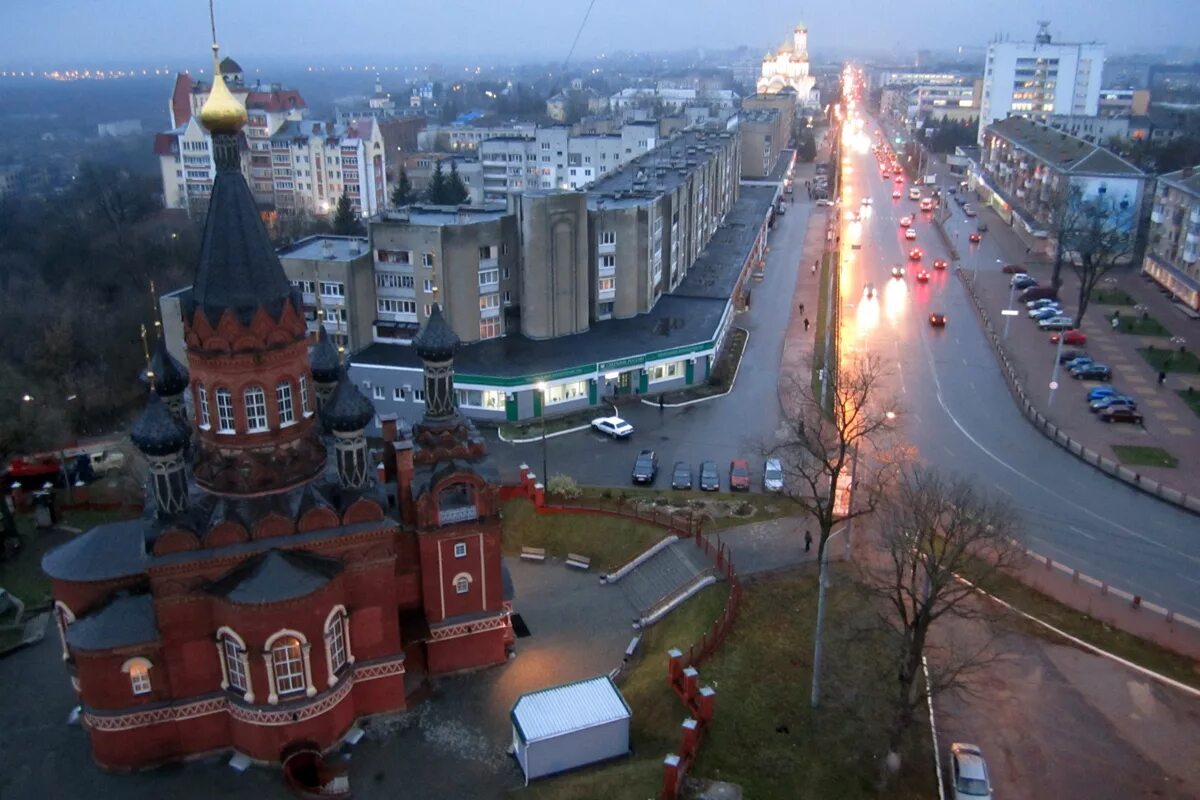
[1093, 234]
[940, 539]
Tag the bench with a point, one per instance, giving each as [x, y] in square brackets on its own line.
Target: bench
[533, 554]
[578, 562]
[633, 646]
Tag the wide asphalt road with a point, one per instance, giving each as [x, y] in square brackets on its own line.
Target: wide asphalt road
[960, 416]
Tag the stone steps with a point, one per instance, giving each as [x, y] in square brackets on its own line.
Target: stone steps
[664, 574]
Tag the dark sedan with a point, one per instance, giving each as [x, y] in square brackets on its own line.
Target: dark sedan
[681, 476]
[1091, 372]
[645, 467]
[710, 478]
[1112, 401]
[1121, 414]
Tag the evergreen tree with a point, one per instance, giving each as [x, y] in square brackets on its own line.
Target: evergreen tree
[403, 194]
[436, 193]
[456, 190]
[345, 221]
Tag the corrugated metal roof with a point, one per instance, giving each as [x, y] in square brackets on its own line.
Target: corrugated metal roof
[552, 712]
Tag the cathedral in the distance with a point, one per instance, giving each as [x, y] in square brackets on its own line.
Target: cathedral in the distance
[787, 68]
[284, 581]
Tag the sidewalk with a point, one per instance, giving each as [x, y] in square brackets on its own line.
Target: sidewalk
[1169, 423]
[798, 343]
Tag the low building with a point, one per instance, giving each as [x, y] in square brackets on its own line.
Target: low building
[123, 127]
[1026, 169]
[1097, 130]
[565, 727]
[1124, 102]
[1173, 250]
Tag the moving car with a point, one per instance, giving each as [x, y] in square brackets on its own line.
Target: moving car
[739, 475]
[1092, 372]
[981, 227]
[905, 221]
[938, 320]
[896, 193]
[922, 276]
[645, 467]
[825, 202]
[1121, 414]
[1069, 337]
[897, 272]
[975, 238]
[969, 772]
[869, 290]
[939, 263]
[615, 427]
[710, 479]
[910, 234]
[915, 254]
[773, 475]
[926, 204]
[969, 210]
[1112, 401]
[866, 201]
[1056, 324]
[914, 193]
[681, 476]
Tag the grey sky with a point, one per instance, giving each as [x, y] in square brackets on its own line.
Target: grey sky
[70, 32]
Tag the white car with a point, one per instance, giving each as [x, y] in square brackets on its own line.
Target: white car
[1056, 324]
[773, 475]
[1041, 302]
[910, 233]
[969, 772]
[615, 427]
[825, 202]
[1018, 278]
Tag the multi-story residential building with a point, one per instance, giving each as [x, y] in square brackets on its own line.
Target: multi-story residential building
[314, 163]
[1124, 102]
[553, 158]
[941, 101]
[1026, 170]
[671, 100]
[783, 101]
[627, 288]
[1098, 130]
[1173, 248]
[1040, 78]
[468, 136]
[335, 276]
[762, 139]
[421, 166]
[880, 77]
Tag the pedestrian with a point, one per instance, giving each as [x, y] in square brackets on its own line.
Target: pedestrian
[807, 541]
[802, 308]
[806, 323]
[1162, 377]
[661, 402]
[814, 270]
[1145, 316]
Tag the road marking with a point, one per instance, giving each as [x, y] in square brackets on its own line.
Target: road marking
[1082, 532]
[900, 372]
[1188, 578]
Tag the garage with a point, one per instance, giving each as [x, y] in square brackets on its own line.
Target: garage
[564, 727]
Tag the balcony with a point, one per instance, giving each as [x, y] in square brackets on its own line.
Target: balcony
[489, 263]
[1190, 254]
[611, 247]
[489, 313]
[1194, 217]
[1157, 216]
[451, 515]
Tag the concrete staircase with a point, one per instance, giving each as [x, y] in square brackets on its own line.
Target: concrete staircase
[665, 573]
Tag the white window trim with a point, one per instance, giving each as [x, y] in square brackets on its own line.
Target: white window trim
[250, 421]
[224, 633]
[141, 683]
[460, 549]
[269, 660]
[205, 418]
[342, 616]
[232, 413]
[291, 404]
[459, 579]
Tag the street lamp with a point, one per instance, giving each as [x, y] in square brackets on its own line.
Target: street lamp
[541, 387]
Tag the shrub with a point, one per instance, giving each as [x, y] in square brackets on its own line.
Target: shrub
[564, 486]
[660, 501]
[607, 494]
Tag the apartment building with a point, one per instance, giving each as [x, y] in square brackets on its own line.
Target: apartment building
[1115, 102]
[421, 166]
[1026, 168]
[1040, 78]
[761, 139]
[468, 136]
[314, 163]
[881, 77]
[786, 103]
[335, 278]
[957, 103]
[671, 100]
[627, 288]
[1173, 249]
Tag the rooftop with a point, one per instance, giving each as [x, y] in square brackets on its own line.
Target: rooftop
[1062, 151]
[769, 115]
[275, 576]
[662, 169]
[715, 272]
[1185, 180]
[328, 248]
[558, 710]
[444, 215]
[124, 621]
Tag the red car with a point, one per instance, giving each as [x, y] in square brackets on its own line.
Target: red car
[1012, 269]
[915, 254]
[739, 475]
[938, 320]
[975, 237]
[939, 263]
[1070, 337]
[922, 276]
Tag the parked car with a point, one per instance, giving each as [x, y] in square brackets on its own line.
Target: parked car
[1056, 324]
[1101, 392]
[825, 201]
[1067, 356]
[773, 475]
[1012, 269]
[969, 772]
[1112, 401]
[615, 427]
[1121, 414]
[1041, 302]
[938, 320]
[681, 476]
[975, 238]
[1069, 337]
[1038, 292]
[739, 475]
[1018, 278]
[1045, 312]
[1079, 361]
[1092, 372]
[645, 467]
[710, 479]
[969, 210]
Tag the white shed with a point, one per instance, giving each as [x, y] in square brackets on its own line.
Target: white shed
[568, 726]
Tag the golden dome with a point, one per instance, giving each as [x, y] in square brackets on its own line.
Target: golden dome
[222, 113]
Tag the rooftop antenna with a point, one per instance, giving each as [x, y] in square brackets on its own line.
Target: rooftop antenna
[146, 355]
[212, 24]
[1043, 35]
[154, 312]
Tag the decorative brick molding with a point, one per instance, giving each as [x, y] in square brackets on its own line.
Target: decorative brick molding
[461, 629]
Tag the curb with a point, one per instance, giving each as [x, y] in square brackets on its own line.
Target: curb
[1051, 431]
[531, 439]
[937, 759]
[732, 383]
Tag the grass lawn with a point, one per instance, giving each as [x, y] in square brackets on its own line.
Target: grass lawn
[608, 541]
[1111, 297]
[726, 508]
[1192, 398]
[23, 575]
[1138, 456]
[1171, 360]
[1090, 630]
[1142, 327]
[762, 677]
[532, 429]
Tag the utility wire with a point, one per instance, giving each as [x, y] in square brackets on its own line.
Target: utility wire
[578, 33]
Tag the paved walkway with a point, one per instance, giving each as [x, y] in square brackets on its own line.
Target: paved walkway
[1169, 423]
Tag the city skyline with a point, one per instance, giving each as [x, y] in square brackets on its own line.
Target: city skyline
[108, 30]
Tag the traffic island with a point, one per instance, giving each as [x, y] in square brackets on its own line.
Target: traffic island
[1111, 297]
[1141, 326]
[720, 382]
[1181, 360]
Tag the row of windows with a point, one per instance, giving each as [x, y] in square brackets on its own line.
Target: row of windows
[402, 257]
[254, 403]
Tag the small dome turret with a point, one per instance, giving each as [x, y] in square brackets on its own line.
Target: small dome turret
[347, 410]
[157, 432]
[437, 341]
[323, 359]
[222, 113]
[170, 377]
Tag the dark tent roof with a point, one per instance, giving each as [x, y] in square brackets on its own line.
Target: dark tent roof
[437, 341]
[157, 432]
[347, 410]
[125, 620]
[229, 66]
[323, 359]
[170, 377]
[275, 576]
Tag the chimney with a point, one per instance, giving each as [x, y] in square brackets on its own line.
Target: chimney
[355, 246]
[327, 248]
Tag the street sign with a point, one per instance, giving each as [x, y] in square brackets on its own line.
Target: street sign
[1053, 384]
[1010, 312]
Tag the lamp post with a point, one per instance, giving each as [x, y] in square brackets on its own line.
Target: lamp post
[541, 387]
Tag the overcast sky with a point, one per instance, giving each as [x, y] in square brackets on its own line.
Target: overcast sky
[72, 32]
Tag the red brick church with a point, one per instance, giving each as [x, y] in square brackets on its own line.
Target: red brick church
[282, 584]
